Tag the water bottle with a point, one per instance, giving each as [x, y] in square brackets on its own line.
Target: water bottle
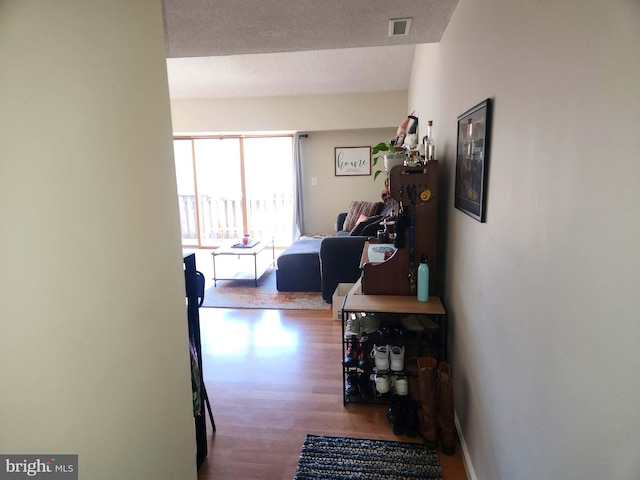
[423, 279]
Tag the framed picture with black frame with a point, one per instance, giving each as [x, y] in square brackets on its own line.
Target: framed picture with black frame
[472, 160]
[351, 161]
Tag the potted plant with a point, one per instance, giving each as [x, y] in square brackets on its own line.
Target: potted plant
[396, 156]
[393, 156]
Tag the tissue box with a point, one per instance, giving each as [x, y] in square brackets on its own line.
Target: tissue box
[342, 290]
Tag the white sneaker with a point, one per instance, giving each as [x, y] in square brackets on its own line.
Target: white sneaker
[380, 355]
[400, 385]
[382, 384]
[397, 358]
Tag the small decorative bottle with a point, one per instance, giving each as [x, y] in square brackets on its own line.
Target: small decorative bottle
[246, 239]
[430, 145]
[423, 279]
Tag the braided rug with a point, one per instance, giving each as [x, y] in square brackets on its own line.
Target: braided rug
[340, 458]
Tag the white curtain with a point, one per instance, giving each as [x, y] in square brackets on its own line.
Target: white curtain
[298, 217]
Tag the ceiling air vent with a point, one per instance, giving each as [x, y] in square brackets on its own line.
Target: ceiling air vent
[399, 27]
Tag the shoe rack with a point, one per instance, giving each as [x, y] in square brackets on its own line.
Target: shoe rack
[398, 324]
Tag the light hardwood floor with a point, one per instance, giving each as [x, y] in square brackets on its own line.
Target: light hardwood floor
[273, 377]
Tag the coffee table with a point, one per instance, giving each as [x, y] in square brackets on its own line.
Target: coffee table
[258, 247]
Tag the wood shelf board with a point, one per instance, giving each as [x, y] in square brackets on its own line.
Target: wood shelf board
[393, 304]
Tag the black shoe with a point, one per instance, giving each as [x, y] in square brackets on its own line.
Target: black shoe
[399, 333]
[411, 422]
[392, 411]
[352, 387]
[396, 414]
[364, 384]
[373, 338]
[387, 333]
[365, 363]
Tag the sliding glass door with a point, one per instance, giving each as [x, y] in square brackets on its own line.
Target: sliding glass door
[183, 153]
[268, 173]
[242, 185]
[218, 180]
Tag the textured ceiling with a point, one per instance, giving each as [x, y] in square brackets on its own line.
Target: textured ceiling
[239, 48]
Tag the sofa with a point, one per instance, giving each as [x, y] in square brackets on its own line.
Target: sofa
[320, 264]
[299, 267]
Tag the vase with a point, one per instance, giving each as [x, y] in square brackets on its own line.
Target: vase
[393, 160]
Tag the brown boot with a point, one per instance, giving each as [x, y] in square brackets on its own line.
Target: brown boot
[428, 383]
[447, 425]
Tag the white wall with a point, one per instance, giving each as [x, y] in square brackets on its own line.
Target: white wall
[303, 113]
[543, 298]
[332, 195]
[93, 339]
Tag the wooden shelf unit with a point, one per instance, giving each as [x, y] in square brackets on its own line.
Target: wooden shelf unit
[391, 310]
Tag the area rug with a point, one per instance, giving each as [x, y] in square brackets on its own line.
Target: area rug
[340, 458]
[244, 294]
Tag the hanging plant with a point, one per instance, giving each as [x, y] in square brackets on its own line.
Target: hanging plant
[376, 149]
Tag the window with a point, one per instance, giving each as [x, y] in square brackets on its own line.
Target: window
[229, 186]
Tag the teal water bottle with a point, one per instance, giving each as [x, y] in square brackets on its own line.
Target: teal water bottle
[423, 279]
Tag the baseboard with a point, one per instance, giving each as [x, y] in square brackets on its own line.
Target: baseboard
[468, 466]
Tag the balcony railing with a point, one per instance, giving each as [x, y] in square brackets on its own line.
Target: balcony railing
[221, 219]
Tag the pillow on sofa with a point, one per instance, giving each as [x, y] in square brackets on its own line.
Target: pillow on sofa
[357, 208]
[360, 226]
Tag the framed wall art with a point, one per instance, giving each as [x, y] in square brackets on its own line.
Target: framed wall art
[352, 161]
[471, 160]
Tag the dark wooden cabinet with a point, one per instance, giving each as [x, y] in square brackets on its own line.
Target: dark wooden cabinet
[416, 189]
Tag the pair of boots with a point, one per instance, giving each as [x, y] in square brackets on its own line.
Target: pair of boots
[403, 416]
[358, 383]
[361, 324]
[436, 402]
[356, 355]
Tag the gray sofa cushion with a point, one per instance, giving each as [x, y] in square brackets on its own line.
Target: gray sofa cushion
[358, 208]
